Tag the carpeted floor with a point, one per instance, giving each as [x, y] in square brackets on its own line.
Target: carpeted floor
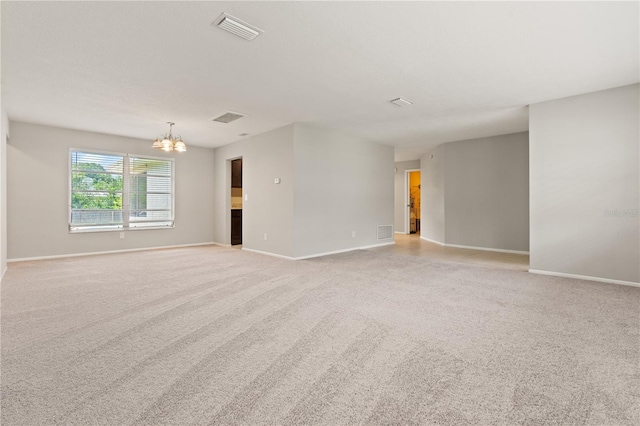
[210, 335]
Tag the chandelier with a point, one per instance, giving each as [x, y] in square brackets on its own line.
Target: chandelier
[169, 143]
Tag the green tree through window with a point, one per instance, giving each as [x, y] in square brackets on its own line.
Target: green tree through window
[103, 190]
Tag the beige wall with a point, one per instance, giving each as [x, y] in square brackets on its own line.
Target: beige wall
[38, 194]
[585, 185]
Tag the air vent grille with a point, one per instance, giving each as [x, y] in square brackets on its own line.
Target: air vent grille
[401, 102]
[237, 27]
[385, 232]
[228, 117]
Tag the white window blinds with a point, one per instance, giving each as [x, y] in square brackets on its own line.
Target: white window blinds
[150, 192]
[119, 191]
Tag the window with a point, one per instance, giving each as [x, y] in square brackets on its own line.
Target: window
[120, 191]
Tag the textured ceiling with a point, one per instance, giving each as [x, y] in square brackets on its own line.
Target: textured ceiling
[469, 68]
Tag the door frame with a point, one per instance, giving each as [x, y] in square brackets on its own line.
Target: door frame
[407, 205]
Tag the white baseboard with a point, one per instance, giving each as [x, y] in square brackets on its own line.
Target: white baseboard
[4, 271]
[474, 247]
[400, 232]
[328, 253]
[431, 241]
[222, 245]
[280, 256]
[344, 250]
[487, 249]
[585, 277]
[93, 253]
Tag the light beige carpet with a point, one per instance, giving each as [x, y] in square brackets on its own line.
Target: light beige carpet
[211, 335]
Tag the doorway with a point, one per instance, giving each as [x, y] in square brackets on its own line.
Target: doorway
[236, 201]
[413, 184]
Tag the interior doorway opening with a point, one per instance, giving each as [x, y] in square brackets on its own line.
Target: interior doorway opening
[413, 185]
[236, 201]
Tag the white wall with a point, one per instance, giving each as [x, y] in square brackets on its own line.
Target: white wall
[269, 208]
[38, 194]
[342, 184]
[400, 196]
[432, 218]
[487, 192]
[584, 165]
[4, 134]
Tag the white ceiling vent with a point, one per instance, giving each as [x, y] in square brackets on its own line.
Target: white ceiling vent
[237, 27]
[228, 117]
[401, 102]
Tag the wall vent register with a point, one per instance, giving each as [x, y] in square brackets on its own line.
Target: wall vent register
[385, 232]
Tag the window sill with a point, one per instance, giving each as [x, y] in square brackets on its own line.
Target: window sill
[93, 231]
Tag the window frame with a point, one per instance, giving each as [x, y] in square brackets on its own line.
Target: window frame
[126, 178]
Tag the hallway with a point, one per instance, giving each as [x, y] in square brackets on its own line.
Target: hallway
[413, 245]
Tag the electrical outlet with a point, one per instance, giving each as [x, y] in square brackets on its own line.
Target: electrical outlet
[246, 197]
[353, 234]
[265, 237]
[122, 235]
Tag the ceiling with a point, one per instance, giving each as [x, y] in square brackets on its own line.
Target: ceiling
[470, 68]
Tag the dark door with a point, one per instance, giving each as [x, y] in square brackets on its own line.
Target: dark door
[236, 206]
[236, 227]
[236, 173]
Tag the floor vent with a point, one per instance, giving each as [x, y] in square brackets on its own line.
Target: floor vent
[385, 232]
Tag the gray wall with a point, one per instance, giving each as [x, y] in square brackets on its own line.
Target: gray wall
[342, 184]
[476, 193]
[330, 185]
[399, 191]
[4, 133]
[487, 192]
[584, 163]
[38, 194]
[432, 218]
[269, 208]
